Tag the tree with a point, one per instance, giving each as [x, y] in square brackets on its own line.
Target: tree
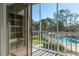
[66, 22]
[47, 24]
[35, 25]
[66, 17]
[60, 25]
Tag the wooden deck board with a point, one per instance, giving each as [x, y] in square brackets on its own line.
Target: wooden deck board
[35, 52]
[45, 54]
[19, 52]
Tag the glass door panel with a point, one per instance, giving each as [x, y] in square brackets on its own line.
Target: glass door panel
[17, 44]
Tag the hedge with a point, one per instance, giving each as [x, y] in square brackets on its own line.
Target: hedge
[54, 46]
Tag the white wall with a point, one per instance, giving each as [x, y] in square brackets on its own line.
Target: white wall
[3, 31]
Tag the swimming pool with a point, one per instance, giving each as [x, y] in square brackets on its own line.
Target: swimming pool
[66, 40]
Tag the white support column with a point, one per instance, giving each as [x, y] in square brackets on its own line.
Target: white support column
[3, 31]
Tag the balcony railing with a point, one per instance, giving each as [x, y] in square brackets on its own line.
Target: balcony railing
[61, 43]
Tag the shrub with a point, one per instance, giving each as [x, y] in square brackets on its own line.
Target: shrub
[54, 46]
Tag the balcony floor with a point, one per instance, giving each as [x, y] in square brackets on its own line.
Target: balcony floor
[35, 52]
[41, 52]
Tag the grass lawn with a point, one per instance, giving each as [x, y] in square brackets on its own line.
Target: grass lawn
[35, 39]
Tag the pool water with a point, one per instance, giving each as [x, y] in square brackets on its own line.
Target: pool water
[67, 40]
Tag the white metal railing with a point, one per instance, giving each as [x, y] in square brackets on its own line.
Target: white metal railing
[53, 43]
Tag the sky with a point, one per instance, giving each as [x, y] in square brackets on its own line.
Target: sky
[48, 9]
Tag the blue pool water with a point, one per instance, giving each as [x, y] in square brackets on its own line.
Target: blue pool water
[64, 39]
[67, 40]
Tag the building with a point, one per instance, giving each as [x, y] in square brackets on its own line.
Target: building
[17, 37]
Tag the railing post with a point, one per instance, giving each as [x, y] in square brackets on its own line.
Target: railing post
[48, 41]
[66, 46]
[40, 22]
[76, 48]
[71, 47]
[57, 30]
[51, 41]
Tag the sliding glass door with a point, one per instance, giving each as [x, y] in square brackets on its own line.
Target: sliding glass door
[19, 23]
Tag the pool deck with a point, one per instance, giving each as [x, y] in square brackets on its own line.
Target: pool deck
[72, 47]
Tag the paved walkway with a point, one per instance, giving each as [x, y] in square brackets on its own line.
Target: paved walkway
[74, 47]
